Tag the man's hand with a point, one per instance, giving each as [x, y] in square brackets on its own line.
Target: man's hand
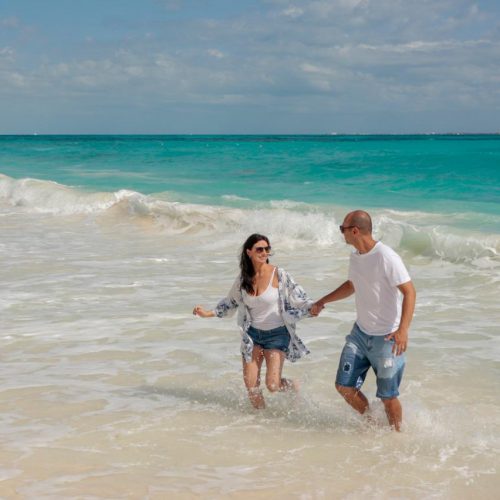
[316, 308]
[400, 337]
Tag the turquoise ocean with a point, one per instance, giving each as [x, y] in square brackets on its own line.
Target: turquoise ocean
[110, 388]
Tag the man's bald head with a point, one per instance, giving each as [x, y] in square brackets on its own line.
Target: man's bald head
[361, 220]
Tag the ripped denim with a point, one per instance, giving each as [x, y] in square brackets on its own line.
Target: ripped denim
[362, 351]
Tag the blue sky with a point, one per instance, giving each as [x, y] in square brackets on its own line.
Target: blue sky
[270, 66]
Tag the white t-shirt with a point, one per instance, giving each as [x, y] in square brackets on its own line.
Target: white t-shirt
[376, 276]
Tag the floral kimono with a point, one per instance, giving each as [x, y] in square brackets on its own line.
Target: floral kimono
[293, 305]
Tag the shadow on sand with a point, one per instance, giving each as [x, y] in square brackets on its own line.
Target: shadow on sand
[299, 411]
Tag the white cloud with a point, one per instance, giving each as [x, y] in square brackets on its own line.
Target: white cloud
[423, 46]
[215, 53]
[303, 56]
[6, 53]
[173, 5]
[14, 79]
[10, 22]
[293, 12]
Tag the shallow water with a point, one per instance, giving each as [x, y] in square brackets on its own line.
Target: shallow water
[111, 388]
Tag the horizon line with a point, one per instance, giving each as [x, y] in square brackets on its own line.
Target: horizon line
[274, 134]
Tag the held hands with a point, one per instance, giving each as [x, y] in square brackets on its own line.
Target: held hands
[203, 313]
[400, 337]
[316, 308]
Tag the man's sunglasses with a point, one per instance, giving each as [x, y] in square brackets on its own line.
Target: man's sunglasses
[343, 228]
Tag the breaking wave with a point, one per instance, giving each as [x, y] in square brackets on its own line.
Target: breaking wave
[419, 233]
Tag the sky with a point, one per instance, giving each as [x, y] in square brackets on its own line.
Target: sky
[249, 67]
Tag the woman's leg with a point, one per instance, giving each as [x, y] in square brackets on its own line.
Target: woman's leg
[251, 377]
[274, 367]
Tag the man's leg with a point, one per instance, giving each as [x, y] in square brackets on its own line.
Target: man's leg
[354, 397]
[352, 370]
[394, 412]
[389, 370]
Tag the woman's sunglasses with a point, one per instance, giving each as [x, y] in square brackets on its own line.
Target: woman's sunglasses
[263, 249]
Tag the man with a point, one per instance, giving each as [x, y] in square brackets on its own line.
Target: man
[379, 338]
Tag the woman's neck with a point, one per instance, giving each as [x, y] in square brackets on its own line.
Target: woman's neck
[258, 268]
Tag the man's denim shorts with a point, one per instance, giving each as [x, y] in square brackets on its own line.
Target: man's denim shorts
[362, 351]
[277, 338]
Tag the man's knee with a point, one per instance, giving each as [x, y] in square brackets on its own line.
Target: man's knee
[389, 402]
[345, 391]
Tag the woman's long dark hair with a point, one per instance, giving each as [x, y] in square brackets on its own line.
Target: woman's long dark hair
[246, 266]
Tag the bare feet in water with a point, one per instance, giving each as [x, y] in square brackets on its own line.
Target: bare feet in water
[288, 384]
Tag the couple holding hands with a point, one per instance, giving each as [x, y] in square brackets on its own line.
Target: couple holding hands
[269, 304]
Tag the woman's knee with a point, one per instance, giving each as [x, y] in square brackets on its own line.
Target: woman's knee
[273, 384]
[251, 382]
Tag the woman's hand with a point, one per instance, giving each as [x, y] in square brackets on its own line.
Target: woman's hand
[203, 313]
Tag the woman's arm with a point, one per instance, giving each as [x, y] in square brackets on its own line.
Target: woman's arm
[226, 307]
[296, 304]
[202, 313]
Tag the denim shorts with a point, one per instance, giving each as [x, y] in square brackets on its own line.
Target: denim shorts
[362, 351]
[277, 338]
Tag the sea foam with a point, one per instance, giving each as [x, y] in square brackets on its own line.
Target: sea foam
[418, 233]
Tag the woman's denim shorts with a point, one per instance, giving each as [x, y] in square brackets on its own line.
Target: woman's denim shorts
[277, 338]
[362, 351]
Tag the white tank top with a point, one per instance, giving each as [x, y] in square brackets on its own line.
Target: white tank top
[264, 308]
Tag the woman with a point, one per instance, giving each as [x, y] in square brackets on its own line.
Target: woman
[269, 304]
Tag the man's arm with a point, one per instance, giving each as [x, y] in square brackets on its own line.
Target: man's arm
[343, 291]
[400, 336]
